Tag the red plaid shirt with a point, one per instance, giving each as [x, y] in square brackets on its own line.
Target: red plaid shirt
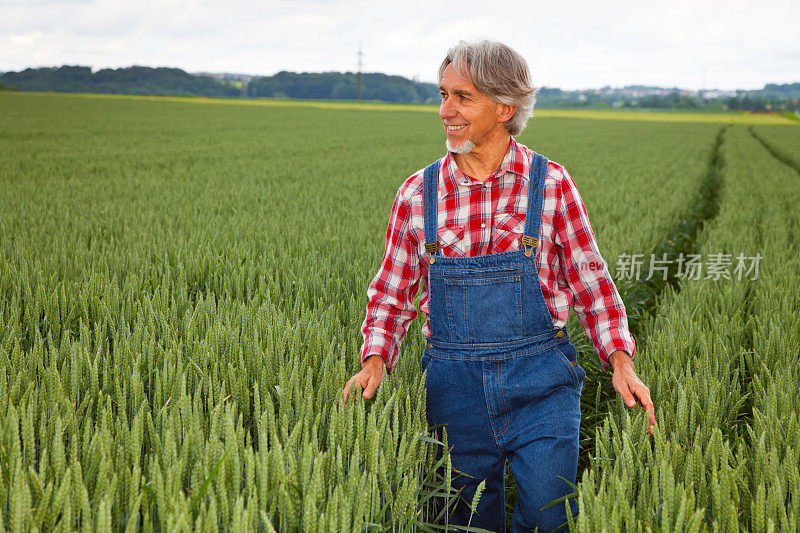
[483, 218]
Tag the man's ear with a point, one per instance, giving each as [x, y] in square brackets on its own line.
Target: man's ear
[505, 112]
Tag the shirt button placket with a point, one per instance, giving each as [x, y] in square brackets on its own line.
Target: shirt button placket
[486, 215]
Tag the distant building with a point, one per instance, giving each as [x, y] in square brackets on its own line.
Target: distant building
[225, 76]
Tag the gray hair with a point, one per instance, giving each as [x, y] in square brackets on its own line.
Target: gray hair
[498, 72]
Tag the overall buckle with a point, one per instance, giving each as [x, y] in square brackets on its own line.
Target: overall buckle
[529, 243]
[432, 248]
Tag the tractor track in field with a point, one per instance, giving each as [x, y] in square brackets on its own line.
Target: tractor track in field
[777, 154]
[641, 296]
[747, 358]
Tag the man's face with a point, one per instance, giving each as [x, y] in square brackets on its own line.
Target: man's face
[469, 116]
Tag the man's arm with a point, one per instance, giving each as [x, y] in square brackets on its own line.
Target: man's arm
[595, 300]
[619, 359]
[390, 305]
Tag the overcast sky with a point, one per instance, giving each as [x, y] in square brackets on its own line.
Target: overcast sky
[583, 44]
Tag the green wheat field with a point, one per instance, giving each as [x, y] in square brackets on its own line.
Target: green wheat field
[182, 283]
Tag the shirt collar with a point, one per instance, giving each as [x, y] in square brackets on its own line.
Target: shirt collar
[516, 161]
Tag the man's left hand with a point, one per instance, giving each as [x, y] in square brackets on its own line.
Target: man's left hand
[629, 386]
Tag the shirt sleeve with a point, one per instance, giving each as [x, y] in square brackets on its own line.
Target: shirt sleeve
[390, 305]
[595, 298]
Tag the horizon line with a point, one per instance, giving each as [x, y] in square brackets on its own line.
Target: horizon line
[414, 79]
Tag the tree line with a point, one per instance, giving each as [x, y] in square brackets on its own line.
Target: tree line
[373, 86]
[174, 81]
[343, 86]
[131, 80]
[771, 98]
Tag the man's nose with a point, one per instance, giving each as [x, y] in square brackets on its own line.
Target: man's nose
[446, 109]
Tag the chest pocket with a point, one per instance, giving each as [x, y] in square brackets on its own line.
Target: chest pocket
[484, 304]
[451, 241]
[507, 232]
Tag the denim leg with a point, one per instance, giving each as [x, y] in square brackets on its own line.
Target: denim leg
[542, 440]
[455, 398]
[538, 466]
[490, 513]
[550, 451]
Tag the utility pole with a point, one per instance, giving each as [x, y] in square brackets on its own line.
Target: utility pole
[703, 90]
[358, 76]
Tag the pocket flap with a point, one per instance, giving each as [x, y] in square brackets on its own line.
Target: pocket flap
[508, 228]
[450, 240]
[449, 235]
[510, 222]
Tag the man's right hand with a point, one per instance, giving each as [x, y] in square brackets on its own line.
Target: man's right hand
[368, 378]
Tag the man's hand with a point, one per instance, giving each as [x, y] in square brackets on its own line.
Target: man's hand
[630, 387]
[368, 378]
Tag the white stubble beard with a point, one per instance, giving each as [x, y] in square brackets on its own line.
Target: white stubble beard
[465, 148]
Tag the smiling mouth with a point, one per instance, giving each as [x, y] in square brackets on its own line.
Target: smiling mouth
[455, 128]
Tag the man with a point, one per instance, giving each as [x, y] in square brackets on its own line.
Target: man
[497, 235]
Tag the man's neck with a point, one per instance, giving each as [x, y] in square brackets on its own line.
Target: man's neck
[483, 160]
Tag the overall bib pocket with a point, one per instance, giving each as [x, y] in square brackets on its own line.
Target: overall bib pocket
[473, 313]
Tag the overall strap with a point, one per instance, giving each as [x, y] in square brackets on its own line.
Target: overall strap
[533, 216]
[430, 208]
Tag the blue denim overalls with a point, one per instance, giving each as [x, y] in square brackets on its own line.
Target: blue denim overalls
[503, 380]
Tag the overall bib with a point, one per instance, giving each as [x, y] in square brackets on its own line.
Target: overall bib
[501, 378]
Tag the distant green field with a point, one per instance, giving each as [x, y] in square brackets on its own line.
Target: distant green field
[764, 119]
[182, 287]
